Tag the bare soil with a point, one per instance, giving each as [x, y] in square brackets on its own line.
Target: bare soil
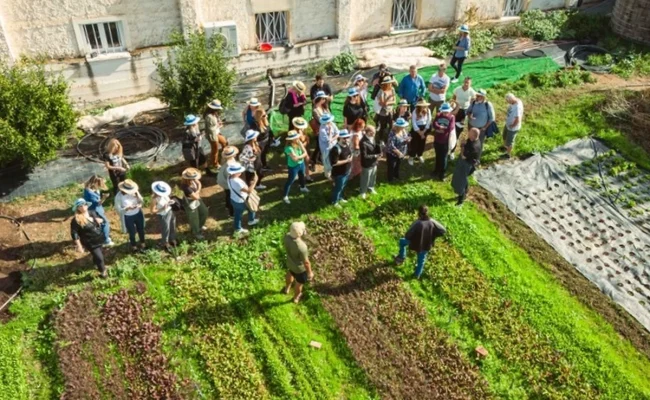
[385, 327]
[540, 251]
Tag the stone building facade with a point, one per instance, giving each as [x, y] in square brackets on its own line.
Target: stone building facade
[631, 18]
[107, 48]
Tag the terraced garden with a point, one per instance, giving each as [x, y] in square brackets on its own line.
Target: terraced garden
[209, 321]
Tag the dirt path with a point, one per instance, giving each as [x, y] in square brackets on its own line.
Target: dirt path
[579, 286]
[384, 325]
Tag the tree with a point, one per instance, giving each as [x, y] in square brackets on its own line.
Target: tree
[194, 73]
[36, 114]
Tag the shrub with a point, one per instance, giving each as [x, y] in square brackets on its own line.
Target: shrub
[341, 64]
[36, 114]
[482, 41]
[634, 63]
[539, 25]
[598, 60]
[194, 73]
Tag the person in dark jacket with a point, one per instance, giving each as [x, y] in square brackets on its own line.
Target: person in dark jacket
[470, 157]
[86, 231]
[370, 152]
[340, 157]
[420, 238]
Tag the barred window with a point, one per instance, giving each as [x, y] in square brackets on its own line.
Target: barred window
[104, 37]
[512, 8]
[271, 27]
[403, 14]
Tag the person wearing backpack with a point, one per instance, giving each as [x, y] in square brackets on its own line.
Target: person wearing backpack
[340, 157]
[480, 115]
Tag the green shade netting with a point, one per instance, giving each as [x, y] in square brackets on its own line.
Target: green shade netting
[484, 73]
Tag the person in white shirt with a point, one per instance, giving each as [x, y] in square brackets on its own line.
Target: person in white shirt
[420, 128]
[328, 136]
[463, 97]
[514, 116]
[133, 215]
[161, 205]
[238, 194]
[438, 85]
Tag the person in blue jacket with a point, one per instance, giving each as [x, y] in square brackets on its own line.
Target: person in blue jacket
[412, 87]
[461, 51]
[95, 192]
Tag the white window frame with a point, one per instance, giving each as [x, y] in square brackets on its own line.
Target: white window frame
[273, 26]
[403, 15]
[107, 52]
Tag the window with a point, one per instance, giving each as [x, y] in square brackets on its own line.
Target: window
[271, 27]
[512, 8]
[403, 14]
[104, 37]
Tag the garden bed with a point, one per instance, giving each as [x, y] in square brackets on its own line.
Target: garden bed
[579, 199]
[386, 328]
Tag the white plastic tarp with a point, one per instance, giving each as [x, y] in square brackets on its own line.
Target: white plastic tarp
[597, 236]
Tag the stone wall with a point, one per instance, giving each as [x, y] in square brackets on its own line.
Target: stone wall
[438, 14]
[631, 18]
[46, 27]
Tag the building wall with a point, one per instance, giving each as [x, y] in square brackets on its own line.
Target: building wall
[631, 18]
[313, 19]
[443, 14]
[45, 27]
[242, 15]
[370, 18]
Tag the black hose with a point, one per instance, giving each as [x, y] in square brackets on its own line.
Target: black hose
[156, 137]
[578, 55]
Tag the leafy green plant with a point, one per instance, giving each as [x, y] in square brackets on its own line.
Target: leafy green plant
[341, 64]
[600, 59]
[36, 115]
[195, 72]
[634, 63]
[539, 25]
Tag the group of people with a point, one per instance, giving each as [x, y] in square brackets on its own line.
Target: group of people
[403, 120]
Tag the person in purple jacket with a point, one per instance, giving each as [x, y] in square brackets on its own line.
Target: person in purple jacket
[420, 238]
[443, 125]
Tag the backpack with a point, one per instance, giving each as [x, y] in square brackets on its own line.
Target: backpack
[334, 155]
[284, 106]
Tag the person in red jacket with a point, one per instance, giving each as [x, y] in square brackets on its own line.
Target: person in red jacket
[420, 238]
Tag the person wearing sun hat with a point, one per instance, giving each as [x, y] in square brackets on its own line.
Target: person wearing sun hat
[396, 148]
[229, 159]
[301, 124]
[195, 208]
[461, 51]
[239, 192]
[213, 124]
[86, 231]
[443, 126]
[296, 101]
[250, 158]
[420, 129]
[161, 205]
[319, 108]
[402, 110]
[353, 108]
[131, 206]
[384, 102]
[248, 114]
[480, 113]
[361, 84]
[340, 157]
[192, 151]
[296, 154]
[328, 134]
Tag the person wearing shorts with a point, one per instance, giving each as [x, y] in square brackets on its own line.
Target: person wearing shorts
[298, 265]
